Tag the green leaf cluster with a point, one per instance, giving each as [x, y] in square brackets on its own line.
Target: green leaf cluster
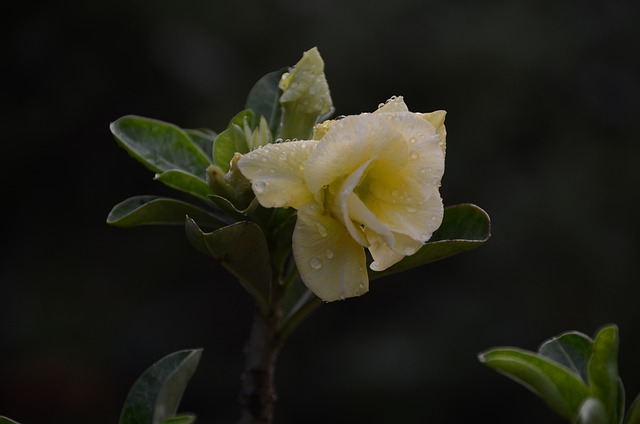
[575, 375]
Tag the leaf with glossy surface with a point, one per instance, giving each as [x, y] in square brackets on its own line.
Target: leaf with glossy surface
[186, 183]
[464, 227]
[203, 139]
[561, 389]
[158, 145]
[264, 99]
[5, 420]
[572, 349]
[228, 142]
[154, 210]
[155, 396]
[603, 371]
[242, 249]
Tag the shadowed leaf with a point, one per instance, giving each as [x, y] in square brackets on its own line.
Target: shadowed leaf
[155, 396]
[572, 349]
[264, 99]
[464, 227]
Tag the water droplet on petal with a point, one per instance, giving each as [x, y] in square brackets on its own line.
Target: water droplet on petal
[283, 156]
[315, 263]
[259, 186]
[412, 140]
[322, 230]
[395, 193]
[411, 209]
[414, 155]
[329, 253]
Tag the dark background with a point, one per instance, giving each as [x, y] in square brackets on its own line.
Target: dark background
[543, 101]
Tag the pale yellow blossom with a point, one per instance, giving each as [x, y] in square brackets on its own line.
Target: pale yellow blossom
[369, 180]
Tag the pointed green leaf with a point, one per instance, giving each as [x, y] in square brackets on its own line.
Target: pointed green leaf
[633, 414]
[153, 210]
[603, 371]
[561, 389]
[181, 419]
[228, 142]
[155, 396]
[264, 99]
[592, 412]
[242, 249]
[464, 227]
[203, 139]
[572, 349]
[158, 145]
[185, 182]
[5, 420]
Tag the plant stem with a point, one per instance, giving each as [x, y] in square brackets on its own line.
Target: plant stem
[258, 396]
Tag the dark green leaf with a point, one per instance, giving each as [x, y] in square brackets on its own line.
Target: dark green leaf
[203, 139]
[562, 390]
[227, 143]
[5, 420]
[181, 419]
[153, 210]
[160, 146]
[185, 182]
[155, 396]
[264, 99]
[603, 371]
[242, 249]
[464, 227]
[633, 414]
[572, 349]
[592, 412]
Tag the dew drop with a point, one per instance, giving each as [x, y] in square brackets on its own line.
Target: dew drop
[315, 263]
[395, 193]
[413, 155]
[411, 209]
[412, 140]
[283, 156]
[409, 198]
[259, 186]
[322, 230]
[329, 253]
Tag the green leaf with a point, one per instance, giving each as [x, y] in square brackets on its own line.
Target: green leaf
[603, 371]
[203, 139]
[561, 389]
[160, 146]
[5, 420]
[228, 142]
[264, 99]
[572, 349]
[242, 249]
[464, 227]
[592, 412]
[154, 210]
[181, 419]
[155, 396]
[185, 182]
[633, 414]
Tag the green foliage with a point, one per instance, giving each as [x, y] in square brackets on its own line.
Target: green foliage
[242, 249]
[464, 227]
[575, 375]
[264, 99]
[154, 210]
[5, 420]
[155, 396]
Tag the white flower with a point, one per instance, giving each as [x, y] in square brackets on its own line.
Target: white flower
[368, 180]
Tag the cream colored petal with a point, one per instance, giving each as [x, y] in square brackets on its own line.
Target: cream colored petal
[276, 172]
[359, 212]
[341, 203]
[383, 256]
[437, 120]
[394, 104]
[331, 264]
[348, 144]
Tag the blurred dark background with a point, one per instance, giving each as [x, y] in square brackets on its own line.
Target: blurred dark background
[543, 101]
